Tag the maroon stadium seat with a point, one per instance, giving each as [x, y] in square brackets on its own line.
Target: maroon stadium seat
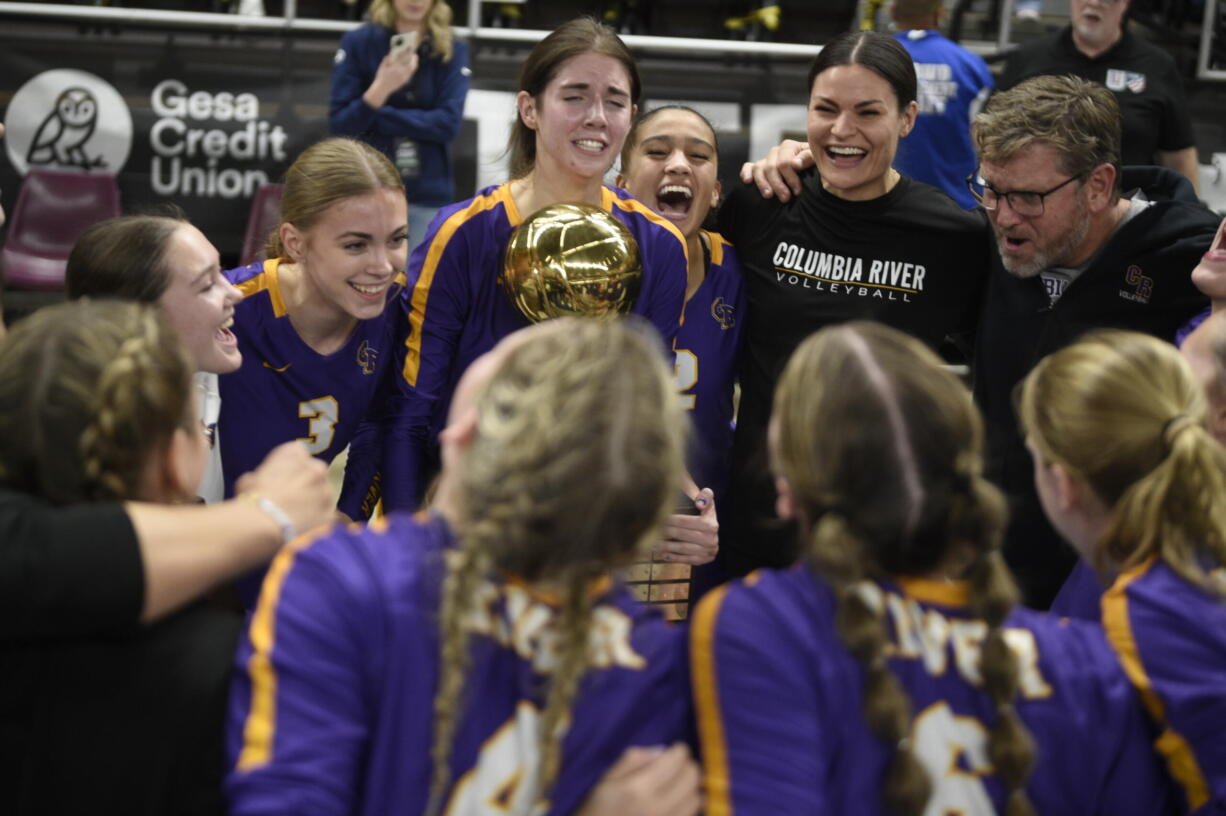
[53, 209]
[265, 216]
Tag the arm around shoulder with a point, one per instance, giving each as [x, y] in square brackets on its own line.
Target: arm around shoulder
[186, 551]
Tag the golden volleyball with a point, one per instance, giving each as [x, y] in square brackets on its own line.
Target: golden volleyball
[572, 259]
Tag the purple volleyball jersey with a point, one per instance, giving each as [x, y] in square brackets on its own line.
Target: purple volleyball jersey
[707, 347]
[286, 390]
[1171, 637]
[332, 707]
[456, 312]
[1081, 594]
[780, 705]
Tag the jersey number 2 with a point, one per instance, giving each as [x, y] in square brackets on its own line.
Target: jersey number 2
[323, 414]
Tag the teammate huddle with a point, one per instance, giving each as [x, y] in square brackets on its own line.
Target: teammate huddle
[477, 657]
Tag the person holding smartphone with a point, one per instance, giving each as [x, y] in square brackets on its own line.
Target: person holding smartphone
[399, 84]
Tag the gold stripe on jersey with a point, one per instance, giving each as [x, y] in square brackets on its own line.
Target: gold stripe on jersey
[717, 243]
[266, 280]
[609, 200]
[943, 593]
[421, 291]
[1170, 744]
[260, 727]
[706, 700]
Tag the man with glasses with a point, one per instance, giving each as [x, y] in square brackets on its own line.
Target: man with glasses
[1082, 246]
[1097, 45]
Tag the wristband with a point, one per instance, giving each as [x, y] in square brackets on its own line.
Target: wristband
[270, 508]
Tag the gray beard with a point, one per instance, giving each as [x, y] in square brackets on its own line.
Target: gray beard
[1056, 255]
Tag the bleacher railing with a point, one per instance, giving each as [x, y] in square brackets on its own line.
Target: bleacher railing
[474, 32]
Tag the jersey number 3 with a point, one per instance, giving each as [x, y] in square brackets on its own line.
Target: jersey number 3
[323, 414]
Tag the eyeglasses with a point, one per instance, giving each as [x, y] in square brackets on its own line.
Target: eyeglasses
[1023, 202]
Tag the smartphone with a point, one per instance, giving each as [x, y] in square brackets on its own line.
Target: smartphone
[403, 44]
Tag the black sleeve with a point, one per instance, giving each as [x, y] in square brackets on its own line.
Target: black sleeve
[66, 571]
[729, 218]
[1176, 132]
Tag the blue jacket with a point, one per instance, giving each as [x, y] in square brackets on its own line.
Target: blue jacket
[428, 110]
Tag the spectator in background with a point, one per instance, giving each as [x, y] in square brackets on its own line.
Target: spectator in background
[1097, 45]
[953, 85]
[409, 107]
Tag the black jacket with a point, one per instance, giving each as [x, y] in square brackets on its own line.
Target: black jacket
[1140, 280]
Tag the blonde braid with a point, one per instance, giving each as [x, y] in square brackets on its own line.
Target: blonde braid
[993, 594]
[578, 447]
[102, 386]
[575, 628]
[464, 573]
[839, 554]
[108, 455]
[905, 496]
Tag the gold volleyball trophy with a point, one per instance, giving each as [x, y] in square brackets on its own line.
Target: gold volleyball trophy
[572, 259]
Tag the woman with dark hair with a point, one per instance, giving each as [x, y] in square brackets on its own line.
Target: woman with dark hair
[671, 162]
[407, 103]
[857, 241]
[166, 261]
[578, 93]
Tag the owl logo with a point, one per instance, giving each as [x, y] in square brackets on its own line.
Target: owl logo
[61, 138]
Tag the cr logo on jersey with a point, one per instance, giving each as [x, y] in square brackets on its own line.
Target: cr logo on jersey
[367, 358]
[1143, 286]
[722, 313]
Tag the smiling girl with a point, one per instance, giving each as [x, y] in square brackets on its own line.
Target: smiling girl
[579, 89]
[671, 161]
[167, 261]
[857, 241]
[316, 335]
